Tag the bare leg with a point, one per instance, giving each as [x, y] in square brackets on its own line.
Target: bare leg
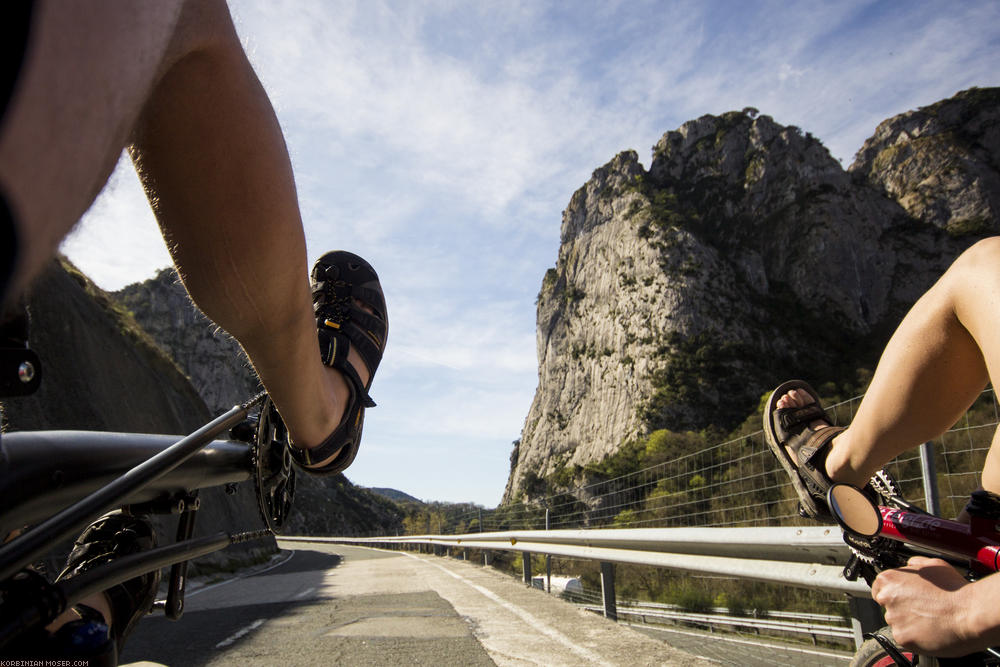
[209, 151]
[172, 79]
[936, 364]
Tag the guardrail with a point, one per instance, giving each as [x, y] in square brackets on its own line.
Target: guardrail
[808, 557]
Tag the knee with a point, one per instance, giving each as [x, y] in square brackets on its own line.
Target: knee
[202, 26]
[971, 286]
[980, 262]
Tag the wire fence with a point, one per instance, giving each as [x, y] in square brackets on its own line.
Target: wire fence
[734, 483]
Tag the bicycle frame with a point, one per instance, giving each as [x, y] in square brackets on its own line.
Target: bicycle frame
[977, 543]
[974, 545]
[95, 472]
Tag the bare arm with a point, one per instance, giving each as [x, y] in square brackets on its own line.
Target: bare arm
[932, 608]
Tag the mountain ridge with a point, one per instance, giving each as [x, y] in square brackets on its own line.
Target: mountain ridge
[744, 255]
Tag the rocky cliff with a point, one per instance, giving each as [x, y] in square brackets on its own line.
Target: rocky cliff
[940, 163]
[212, 359]
[743, 256]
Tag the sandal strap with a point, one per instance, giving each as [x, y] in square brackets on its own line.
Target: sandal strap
[811, 455]
[346, 438]
[789, 418]
[333, 349]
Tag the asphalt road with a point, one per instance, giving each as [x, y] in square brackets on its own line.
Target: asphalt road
[340, 605]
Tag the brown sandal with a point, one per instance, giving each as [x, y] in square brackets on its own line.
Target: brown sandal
[789, 429]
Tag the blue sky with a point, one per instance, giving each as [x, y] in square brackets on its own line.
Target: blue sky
[442, 140]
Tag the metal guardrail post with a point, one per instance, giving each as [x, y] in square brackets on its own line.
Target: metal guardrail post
[548, 559]
[526, 566]
[866, 616]
[929, 471]
[608, 590]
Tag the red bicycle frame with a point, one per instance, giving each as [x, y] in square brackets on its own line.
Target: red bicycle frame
[977, 541]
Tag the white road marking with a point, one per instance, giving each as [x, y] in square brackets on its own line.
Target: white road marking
[589, 656]
[238, 576]
[306, 592]
[250, 628]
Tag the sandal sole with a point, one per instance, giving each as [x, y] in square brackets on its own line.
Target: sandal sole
[806, 500]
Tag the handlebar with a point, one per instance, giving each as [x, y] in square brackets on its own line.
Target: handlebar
[69, 478]
[69, 521]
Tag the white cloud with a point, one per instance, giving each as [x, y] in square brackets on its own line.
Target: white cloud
[117, 242]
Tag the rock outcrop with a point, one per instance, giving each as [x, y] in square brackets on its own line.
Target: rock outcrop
[211, 358]
[940, 162]
[745, 255]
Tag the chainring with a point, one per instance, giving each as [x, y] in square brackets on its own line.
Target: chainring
[880, 552]
[274, 475]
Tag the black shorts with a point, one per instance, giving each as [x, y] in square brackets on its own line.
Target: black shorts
[15, 23]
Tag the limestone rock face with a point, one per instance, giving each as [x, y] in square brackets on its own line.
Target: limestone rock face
[940, 162]
[213, 360]
[745, 255]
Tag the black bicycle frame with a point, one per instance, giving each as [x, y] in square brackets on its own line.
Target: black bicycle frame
[95, 472]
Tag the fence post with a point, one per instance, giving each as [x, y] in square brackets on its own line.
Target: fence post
[548, 560]
[526, 566]
[930, 478]
[608, 590]
[866, 616]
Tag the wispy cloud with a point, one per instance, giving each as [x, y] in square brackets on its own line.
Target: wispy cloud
[118, 241]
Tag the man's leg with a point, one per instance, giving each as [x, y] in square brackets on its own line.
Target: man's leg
[933, 368]
[172, 79]
[212, 157]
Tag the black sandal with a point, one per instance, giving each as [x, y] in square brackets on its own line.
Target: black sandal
[340, 281]
[790, 429]
[112, 536]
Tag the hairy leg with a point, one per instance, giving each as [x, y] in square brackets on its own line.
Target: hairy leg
[933, 368]
[171, 79]
[212, 157]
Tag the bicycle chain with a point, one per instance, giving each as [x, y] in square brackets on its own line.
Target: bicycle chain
[250, 535]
